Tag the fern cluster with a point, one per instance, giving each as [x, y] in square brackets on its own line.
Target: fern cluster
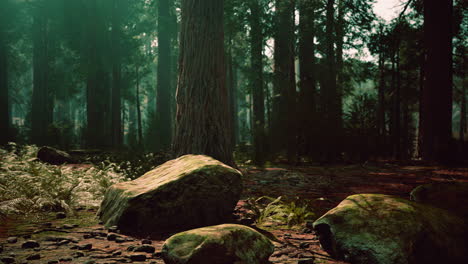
[27, 185]
[279, 210]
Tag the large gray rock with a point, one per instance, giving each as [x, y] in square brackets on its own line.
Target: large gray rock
[222, 244]
[451, 196]
[383, 229]
[188, 192]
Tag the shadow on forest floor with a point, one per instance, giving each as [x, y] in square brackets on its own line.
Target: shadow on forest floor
[323, 187]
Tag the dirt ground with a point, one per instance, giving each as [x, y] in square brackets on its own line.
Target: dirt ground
[80, 238]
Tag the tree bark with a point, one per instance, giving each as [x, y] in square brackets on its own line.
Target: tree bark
[284, 125]
[42, 107]
[308, 89]
[202, 97]
[436, 114]
[4, 96]
[138, 108]
[256, 81]
[330, 90]
[163, 98]
[116, 104]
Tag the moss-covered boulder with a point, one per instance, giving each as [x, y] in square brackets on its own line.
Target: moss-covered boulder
[188, 192]
[383, 229]
[452, 196]
[222, 244]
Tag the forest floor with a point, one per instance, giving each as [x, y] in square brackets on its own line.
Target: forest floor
[69, 240]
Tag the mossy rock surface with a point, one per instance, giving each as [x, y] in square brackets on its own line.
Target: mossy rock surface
[188, 192]
[452, 196]
[221, 244]
[383, 229]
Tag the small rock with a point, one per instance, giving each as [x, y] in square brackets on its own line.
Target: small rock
[63, 242]
[87, 236]
[131, 248]
[61, 215]
[30, 244]
[145, 248]
[7, 260]
[75, 225]
[67, 226]
[85, 246]
[78, 254]
[53, 262]
[34, 257]
[12, 240]
[47, 224]
[113, 229]
[98, 234]
[304, 245]
[146, 242]
[66, 259]
[112, 237]
[306, 261]
[117, 253]
[120, 239]
[138, 257]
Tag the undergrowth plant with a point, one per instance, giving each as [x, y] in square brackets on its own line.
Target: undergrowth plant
[280, 210]
[27, 185]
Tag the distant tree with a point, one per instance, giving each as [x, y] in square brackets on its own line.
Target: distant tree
[256, 80]
[284, 126]
[202, 98]
[164, 74]
[436, 112]
[116, 98]
[308, 80]
[42, 97]
[5, 24]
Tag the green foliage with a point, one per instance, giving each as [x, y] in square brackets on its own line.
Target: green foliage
[279, 210]
[27, 185]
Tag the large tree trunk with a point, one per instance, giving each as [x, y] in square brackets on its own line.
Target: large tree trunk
[116, 111]
[163, 98]
[283, 128]
[308, 89]
[256, 81]
[4, 97]
[42, 107]
[330, 91]
[436, 114]
[202, 97]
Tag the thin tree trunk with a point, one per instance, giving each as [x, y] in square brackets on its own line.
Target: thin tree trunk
[163, 105]
[436, 126]
[116, 104]
[463, 114]
[397, 105]
[330, 92]
[381, 104]
[256, 82]
[138, 108]
[202, 97]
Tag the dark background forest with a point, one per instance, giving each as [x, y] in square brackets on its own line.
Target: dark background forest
[293, 81]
